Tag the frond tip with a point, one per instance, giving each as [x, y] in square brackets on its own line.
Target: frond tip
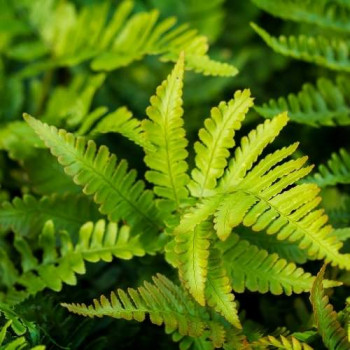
[333, 335]
[164, 130]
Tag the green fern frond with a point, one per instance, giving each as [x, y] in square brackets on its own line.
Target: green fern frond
[335, 171]
[324, 13]
[283, 343]
[216, 139]
[164, 130]
[258, 271]
[164, 302]
[119, 41]
[333, 335]
[95, 243]
[15, 343]
[19, 324]
[330, 53]
[192, 249]
[219, 291]
[97, 171]
[122, 122]
[326, 103]
[26, 216]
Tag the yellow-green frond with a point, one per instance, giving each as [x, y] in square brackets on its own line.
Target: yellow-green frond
[192, 249]
[115, 188]
[164, 302]
[164, 131]
[330, 53]
[216, 138]
[333, 335]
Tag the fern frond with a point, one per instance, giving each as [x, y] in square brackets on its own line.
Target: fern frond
[335, 171]
[216, 139]
[330, 53]
[258, 271]
[17, 342]
[95, 243]
[326, 103]
[250, 149]
[333, 335]
[164, 130]
[97, 171]
[283, 343]
[192, 249]
[122, 122]
[219, 291]
[163, 301]
[119, 41]
[26, 216]
[324, 13]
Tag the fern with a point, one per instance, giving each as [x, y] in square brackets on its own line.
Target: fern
[95, 243]
[326, 103]
[332, 54]
[163, 301]
[334, 337]
[117, 42]
[26, 216]
[193, 217]
[329, 14]
[335, 171]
